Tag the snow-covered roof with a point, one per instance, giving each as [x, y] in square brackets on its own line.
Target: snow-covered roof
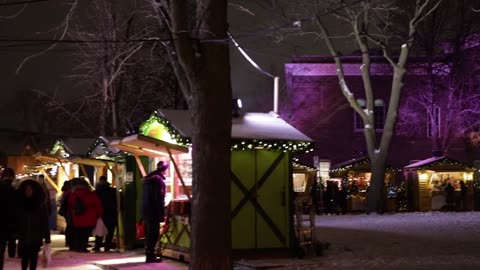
[452, 164]
[424, 162]
[350, 162]
[262, 126]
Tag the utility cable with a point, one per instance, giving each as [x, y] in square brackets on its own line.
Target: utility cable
[249, 59]
[21, 2]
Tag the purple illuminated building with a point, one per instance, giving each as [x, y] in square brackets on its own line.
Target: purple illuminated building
[316, 106]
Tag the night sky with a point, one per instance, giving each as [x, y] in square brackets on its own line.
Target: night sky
[49, 72]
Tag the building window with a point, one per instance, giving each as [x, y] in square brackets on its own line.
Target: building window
[378, 115]
[433, 118]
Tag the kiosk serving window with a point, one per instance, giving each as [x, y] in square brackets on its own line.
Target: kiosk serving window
[173, 183]
[439, 180]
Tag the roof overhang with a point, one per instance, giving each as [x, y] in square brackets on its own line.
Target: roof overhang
[77, 160]
[49, 158]
[146, 146]
[441, 163]
[92, 161]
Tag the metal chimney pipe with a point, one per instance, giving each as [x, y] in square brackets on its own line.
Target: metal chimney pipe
[276, 82]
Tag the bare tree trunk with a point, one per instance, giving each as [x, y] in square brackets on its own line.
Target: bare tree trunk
[206, 69]
[378, 152]
[114, 112]
[376, 194]
[211, 230]
[104, 105]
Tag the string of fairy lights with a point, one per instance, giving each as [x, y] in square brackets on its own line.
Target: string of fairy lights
[101, 145]
[362, 162]
[282, 145]
[444, 161]
[237, 144]
[390, 170]
[155, 119]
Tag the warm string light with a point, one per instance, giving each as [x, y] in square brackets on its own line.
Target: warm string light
[285, 146]
[59, 145]
[301, 166]
[442, 162]
[359, 163]
[243, 144]
[102, 145]
[156, 119]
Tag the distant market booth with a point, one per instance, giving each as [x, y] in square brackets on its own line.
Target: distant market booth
[356, 174]
[429, 177]
[261, 175]
[72, 157]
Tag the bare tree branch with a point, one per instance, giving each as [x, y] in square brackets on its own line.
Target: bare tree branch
[65, 25]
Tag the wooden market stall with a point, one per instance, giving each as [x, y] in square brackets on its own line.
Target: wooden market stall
[63, 162]
[68, 159]
[103, 159]
[356, 174]
[261, 164]
[429, 177]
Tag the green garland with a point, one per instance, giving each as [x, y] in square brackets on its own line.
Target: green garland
[240, 144]
[59, 144]
[156, 119]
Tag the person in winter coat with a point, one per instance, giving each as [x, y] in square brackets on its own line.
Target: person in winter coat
[8, 198]
[8, 175]
[108, 197]
[65, 212]
[153, 204]
[32, 222]
[342, 199]
[85, 208]
[449, 194]
[463, 196]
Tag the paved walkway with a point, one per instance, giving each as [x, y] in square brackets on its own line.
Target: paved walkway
[62, 259]
[67, 260]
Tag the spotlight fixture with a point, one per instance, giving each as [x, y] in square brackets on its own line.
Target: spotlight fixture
[236, 106]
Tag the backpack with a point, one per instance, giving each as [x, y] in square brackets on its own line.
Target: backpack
[78, 206]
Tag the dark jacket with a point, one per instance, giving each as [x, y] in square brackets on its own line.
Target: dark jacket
[8, 212]
[64, 211]
[108, 197]
[33, 220]
[449, 190]
[153, 198]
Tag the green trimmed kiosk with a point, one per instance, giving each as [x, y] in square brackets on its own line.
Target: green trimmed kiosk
[261, 175]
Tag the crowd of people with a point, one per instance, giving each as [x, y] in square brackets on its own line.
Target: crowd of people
[28, 222]
[81, 205]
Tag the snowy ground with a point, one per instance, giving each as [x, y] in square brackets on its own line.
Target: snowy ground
[431, 240]
[402, 241]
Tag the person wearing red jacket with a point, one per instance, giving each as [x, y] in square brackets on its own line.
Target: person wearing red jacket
[85, 208]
